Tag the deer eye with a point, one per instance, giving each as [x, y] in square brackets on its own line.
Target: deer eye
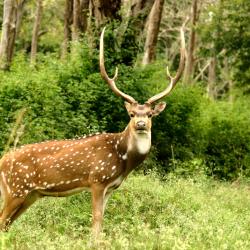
[132, 115]
[150, 115]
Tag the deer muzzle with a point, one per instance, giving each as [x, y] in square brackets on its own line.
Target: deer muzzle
[141, 125]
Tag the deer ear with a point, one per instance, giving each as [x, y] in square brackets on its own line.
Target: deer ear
[128, 106]
[159, 108]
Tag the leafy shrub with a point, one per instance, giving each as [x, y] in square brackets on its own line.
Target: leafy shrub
[68, 99]
[216, 141]
[175, 133]
[227, 152]
[49, 114]
[63, 100]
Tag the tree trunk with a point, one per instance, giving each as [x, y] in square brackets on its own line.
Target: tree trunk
[102, 10]
[84, 6]
[80, 11]
[19, 16]
[152, 30]
[68, 20]
[211, 79]
[228, 77]
[8, 33]
[140, 10]
[12, 16]
[131, 31]
[75, 22]
[36, 27]
[76, 19]
[189, 68]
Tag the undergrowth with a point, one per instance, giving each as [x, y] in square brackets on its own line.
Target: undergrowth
[145, 213]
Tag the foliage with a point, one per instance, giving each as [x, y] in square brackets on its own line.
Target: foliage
[227, 153]
[145, 213]
[175, 133]
[69, 99]
[225, 27]
[63, 99]
[51, 30]
[219, 143]
[51, 113]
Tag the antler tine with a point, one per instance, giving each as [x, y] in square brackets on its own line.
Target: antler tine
[111, 81]
[173, 80]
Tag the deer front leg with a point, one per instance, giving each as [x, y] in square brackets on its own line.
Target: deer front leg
[11, 205]
[29, 200]
[98, 194]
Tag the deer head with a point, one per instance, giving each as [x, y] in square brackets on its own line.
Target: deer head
[140, 115]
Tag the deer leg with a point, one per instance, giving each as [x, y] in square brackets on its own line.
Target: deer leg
[98, 194]
[9, 209]
[106, 197]
[29, 200]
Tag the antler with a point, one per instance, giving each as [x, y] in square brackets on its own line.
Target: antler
[111, 81]
[173, 80]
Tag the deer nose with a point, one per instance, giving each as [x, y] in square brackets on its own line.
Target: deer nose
[140, 125]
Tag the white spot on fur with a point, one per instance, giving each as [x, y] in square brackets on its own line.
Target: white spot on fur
[124, 157]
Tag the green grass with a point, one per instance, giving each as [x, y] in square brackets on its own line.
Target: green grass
[144, 213]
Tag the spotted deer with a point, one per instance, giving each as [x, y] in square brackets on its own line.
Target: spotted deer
[98, 163]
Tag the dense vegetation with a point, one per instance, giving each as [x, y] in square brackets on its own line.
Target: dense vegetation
[65, 100]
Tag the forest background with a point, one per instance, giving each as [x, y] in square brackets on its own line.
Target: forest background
[49, 62]
[51, 88]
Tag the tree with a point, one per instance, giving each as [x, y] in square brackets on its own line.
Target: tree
[103, 10]
[211, 81]
[75, 22]
[83, 20]
[68, 20]
[11, 20]
[189, 67]
[20, 11]
[139, 12]
[224, 34]
[152, 30]
[35, 33]
[130, 33]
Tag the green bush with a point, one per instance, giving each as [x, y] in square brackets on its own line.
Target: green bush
[51, 111]
[227, 153]
[216, 140]
[175, 133]
[63, 100]
[68, 99]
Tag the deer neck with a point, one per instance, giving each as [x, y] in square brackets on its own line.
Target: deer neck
[134, 144]
[139, 143]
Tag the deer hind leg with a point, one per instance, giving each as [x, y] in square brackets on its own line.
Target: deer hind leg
[106, 197]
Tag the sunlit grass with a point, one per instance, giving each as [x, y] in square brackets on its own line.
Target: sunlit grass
[145, 213]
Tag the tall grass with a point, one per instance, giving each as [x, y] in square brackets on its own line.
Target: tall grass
[145, 213]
